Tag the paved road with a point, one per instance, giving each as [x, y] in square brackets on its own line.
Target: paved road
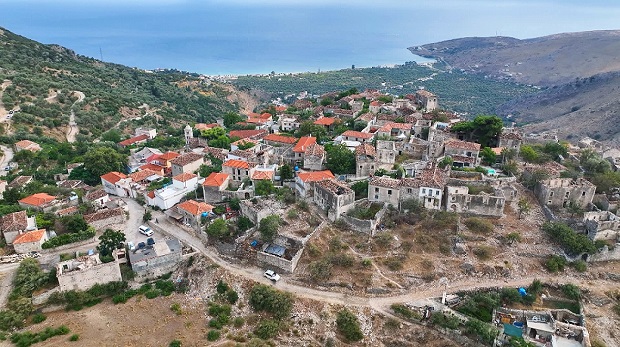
[136, 212]
[6, 159]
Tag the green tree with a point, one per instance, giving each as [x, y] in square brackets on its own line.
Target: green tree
[349, 326]
[112, 135]
[74, 223]
[446, 161]
[232, 118]
[573, 208]
[286, 172]
[604, 182]
[268, 227]
[218, 228]
[340, 160]
[264, 298]
[101, 160]
[529, 154]
[484, 129]
[361, 189]
[267, 329]
[213, 133]
[308, 128]
[264, 187]
[244, 223]
[524, 207]
[109, 241]
[488, 156]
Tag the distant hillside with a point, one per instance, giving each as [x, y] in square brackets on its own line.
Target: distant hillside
[45, 81]
[579, 76]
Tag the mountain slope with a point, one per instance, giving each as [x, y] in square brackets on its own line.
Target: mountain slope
[544, 61]
[579, 76]
[43, 80]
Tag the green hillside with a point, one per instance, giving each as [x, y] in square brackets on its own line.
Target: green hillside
[457, 91]
[32, 72]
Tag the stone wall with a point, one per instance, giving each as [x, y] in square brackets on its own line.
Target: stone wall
[365, 226]
[286, 265]
[158, 266]
[605, 254]
[70, 246]
[84, 279]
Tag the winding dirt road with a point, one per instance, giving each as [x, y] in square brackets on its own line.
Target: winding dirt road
[73, 127]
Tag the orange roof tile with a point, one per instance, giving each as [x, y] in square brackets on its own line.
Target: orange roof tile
[151, 194]
[37, 199]
[168, 156]
[325, 121]
[303, 144]
[315, 176]
[33, 236]
[203, 126]
[184, 177]
[152, 167]
[280, 108]
[215, 179]
[141, 175]
[280, 138]
[242, 134]
[194, 207]
[135, 139]
[262, 175]
[357, 134]
[113, 177]
[239, 164]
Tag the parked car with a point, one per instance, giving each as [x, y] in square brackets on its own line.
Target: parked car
[150, 241]
[144, 230]
[270, 274]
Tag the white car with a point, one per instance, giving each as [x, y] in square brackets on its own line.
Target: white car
[144, 230]
[270, 274]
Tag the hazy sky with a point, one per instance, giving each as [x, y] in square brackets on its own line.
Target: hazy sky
[219, 36]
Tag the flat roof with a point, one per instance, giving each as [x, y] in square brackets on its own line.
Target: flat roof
[541, 326]
[161, 247]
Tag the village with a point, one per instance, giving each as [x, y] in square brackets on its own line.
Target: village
[357, 193]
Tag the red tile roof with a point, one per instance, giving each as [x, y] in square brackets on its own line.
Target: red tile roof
[168, 156]
[184, 177]
[262, 175]
[203, 126]
[325, 121]
[314, 176]
[281, 108]
[463, 145]
[239, 164]
[194, 207]
[141, 175]
[152, 167]
[133, 140]
[215, 179]
[37, 199]
[15, 221]
[303, 144]
[365, 149]
[315, 150]
[113, 177]
[280, 138]
[243, 134]
[27, 144]
[33, 236]
[357, 134]
[187, 158]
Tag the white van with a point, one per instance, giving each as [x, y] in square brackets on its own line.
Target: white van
[144, 230]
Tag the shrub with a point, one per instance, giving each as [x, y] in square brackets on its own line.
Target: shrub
[320, 270]
[513, 237]
[483, 252]
[175, 343]
[366, 262]
[349, 326]
[65, 239]
[571, 291]
[535, 288]
[176, 308]
[267, 329]
[238, 322]
[119, 299]
[341, 259]
[567, 238]
[152, 293]
[232, 296]
[221, 287]
[580, 265]
[213, 335]
[479, 225]
[38, 318]
[74, 337]
[485, 332]
[394, 263]
[405, 312]
[265, 298]
[292, 214]
[449, 322]
[28, 338]
[555, 263]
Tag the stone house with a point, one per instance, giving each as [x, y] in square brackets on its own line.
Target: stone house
[238, 170]
[299, 151]
[289, 122]
[141, 157]
[214, 185]
[399, 131]
[106, 218]
[27, 145]
[192, 212]
[155, 260]
[171, 195]
[351, 135]
[186, 163]
[365, 164]
[39, 202]
[314, 156]
[85, 271]
[327, 122]
[304, 181]
[97, 197]
[116, 183]
[386, 152]
[280, 143]
[136, 140]
[15, 224]
[463, 153]
[510, 139]
[31, 241]
[560, 192]
[426, 100]
[384, 189]
[20, 182]
[459, 200]
[602, 225]
[248, 134]
[333, 197]
[150, 132]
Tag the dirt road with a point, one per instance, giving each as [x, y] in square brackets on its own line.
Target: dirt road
[73, 127]
[6, 159]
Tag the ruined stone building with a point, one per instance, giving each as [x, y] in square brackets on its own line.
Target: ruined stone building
[365, 164]
[463, 153]
[560, 192]
[86, 271]
[459, 200]
[602, 225]
[334, 197]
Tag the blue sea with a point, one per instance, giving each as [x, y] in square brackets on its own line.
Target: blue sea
[250, 36]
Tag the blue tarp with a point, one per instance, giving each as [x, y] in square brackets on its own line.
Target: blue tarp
[512, 330]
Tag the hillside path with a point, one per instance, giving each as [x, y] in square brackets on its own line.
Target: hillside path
[73, 127]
